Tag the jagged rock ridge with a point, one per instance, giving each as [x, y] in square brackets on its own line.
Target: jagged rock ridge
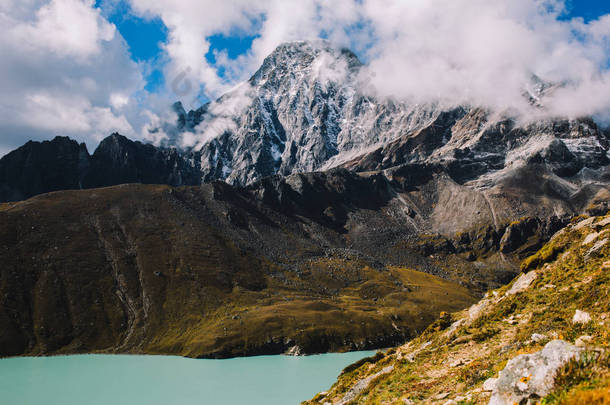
[304, 110]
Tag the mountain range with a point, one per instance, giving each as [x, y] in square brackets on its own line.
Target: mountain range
[275, 217]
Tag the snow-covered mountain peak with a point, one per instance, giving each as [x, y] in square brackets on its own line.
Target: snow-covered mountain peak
[311, 63]
[299, 56]
[304, 110]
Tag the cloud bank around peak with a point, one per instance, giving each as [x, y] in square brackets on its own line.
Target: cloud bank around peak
[454, 51]
[485, 53]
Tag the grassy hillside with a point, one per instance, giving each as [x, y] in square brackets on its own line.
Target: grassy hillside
[196, 272]
[450, 361]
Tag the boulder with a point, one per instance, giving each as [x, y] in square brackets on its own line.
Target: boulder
[537, 337]
[531, 376]
[583, 341]
[596, 248]
[362, 385]
[522, 283]
[490, 384]
[581, 317]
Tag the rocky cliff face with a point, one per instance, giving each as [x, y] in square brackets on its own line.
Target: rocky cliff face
[38, 168]
[117, 160]
[301, 111]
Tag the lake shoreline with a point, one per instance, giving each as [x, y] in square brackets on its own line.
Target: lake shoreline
[98, 379]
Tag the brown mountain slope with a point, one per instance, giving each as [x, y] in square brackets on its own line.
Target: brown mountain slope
[311, 262]
[159, 270]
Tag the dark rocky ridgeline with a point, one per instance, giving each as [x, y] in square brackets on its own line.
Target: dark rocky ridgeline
[63, 164]
[41, 167]
[118, 160]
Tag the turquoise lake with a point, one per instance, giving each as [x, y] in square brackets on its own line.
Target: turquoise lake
[167, 380]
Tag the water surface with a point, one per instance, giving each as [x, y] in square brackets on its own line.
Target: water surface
[167, 380]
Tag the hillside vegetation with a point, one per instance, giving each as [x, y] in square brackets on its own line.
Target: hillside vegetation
[562, 295]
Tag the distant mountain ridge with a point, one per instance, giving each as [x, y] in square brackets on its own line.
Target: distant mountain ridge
[63, 164]
[304, 111]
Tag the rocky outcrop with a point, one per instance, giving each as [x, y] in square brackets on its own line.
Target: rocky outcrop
[530, 377]
[362, 385]
[118, 160]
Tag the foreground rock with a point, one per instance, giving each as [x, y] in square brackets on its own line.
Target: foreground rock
[362, 385]
[532, 376]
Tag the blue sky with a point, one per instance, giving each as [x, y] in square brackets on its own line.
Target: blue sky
[587, 9]
[145, 38]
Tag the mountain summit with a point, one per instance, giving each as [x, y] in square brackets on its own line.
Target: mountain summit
[307, 109]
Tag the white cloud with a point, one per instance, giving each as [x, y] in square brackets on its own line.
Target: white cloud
[119, 100]
[190, 23]
[457, 51]
[481, 52]
[72, 114]
[220, 117]
[66, 27]
[64, 70]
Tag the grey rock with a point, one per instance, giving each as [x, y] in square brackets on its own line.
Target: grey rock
[537, 337]
[362, 385]
[523, 283]
[294, 351]
[590, 238]
[581, 317]
[599, 245]
[584, 223]
[583, 341]
[532, 376]
[490, 384]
